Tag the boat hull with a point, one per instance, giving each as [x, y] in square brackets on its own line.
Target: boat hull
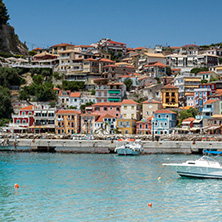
[127, 151]
[197, 172]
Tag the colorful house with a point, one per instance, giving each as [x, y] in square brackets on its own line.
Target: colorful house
[23, 120]
[88, 121]
[163, 122]
[144, 126]
[130, 109]
[67, 122]
[149, 107]
[170, 96]
[126, 126]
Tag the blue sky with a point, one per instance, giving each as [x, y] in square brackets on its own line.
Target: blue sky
[140, 23]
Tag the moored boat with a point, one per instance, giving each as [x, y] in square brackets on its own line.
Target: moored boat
[128, 147]
[205, 167]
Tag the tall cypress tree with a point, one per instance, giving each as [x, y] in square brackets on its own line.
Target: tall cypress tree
[4, 17]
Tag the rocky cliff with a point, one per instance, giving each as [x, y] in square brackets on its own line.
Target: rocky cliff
[9, 41]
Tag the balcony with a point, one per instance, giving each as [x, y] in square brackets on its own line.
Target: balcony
[207, 110]
[115, 91]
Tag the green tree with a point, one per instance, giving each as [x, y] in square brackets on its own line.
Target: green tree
[204, 81]
[93, 92]
[191, 112]
[38, 79]
[4, 16]
[128, 82]
[168, 70]
[83, 106]
[6, 108]
[196, 70]
[32, 53]
[72, 85]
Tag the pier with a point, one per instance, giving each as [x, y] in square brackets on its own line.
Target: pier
[107, 146]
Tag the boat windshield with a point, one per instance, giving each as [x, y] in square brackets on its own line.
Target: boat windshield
[208, 159]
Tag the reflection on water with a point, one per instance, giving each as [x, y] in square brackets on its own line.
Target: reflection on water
[84, 187]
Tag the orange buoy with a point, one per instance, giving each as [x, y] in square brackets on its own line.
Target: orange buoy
[149, 204]
[16, 186]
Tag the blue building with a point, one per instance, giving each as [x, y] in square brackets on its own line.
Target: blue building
[163, 122]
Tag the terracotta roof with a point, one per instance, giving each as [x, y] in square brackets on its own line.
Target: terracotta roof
[151, 101]
[164, 111]
[190, 45]
[129, 102]
[113, 42]
[175, 47]
[109, 116]
[135, 55]
[90, 59]
[62, 44]
[210, 101]
[115, 84]
[68, 111]
[30, 107]
[45, 54]
[75, 94]
[83, 46]
[158, 55]
[100, 119]
[56, 89]
[205, 72]
[190, 119]
[159, 64]
[169, 86]
[38, 48]
[106, 60]
[175, 69]
[139, 48]
[148, 119]
[107, 104]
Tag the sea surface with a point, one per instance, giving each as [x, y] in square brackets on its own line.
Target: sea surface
[90, 187]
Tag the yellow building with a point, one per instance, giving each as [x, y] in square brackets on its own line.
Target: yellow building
[61, 47]
[170, 96]
[126, 126]
[67, 122]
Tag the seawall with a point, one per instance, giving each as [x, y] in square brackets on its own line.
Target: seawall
[107, 146]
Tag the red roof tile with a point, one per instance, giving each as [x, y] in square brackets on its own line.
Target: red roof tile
[164, 111]
[68, 111]
[62, 44]
[190, 119]
[129, 102]
[169, 86]
[210, 101]
[113, 42]
[75, 94]
[106, 60]
[90, 59]
[159, 64]
[38, 48]
[30, 107]
[151, 101]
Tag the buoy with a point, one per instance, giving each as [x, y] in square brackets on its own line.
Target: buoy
[149, 204]
[159, 178]
[16, 186]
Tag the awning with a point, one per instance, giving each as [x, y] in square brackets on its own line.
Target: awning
[114, 99]
[197, 120]
[213, 127]
[114, 91]
[186, 122]
[194, 128]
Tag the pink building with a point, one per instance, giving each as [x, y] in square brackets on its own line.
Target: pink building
[113, 108]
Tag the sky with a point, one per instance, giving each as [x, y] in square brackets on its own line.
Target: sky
[140, 23]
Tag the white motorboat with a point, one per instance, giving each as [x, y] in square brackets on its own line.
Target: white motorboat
[128, 147]
[205, 167]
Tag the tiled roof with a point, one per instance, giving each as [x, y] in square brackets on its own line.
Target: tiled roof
[165, 111]
[188, 119]
[158, 55]
[210, 101]
[175, 69]
[75, 94]
[148, 119]
[30, 107]
[175, 47]
[56, 89]
[62, 44]
[107, 104]
[106, 60]
[190, 45]
[113, 42]
[109, 116]
[68, 111]
[90, 59]
[169, 86]
[83, 46]
[159, 64]
[60, 92]
[38, 48]
[189, 94]
[115, 84]
[129, 102]
[139, 48]
[100, 119]
[151, 101]
[205, 72]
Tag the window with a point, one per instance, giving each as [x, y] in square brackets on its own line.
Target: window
[17, 121]
[146, 126]
[127, 124]
[23, 121]
[155, 123]
[159, 116]
[124, 115]
[147, 112]
[132, 116]
[167, 116]
[105, 108]
[125, 107]
[126, 131]
[117, 108]
[140, 126]
[120, 123]
[165, 124]
[212, 87]
[132, 108]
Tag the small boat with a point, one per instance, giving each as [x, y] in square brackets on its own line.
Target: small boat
[128, 147]
[205, 167]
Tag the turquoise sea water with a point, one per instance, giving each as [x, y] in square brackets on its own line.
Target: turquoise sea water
[90, 187]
